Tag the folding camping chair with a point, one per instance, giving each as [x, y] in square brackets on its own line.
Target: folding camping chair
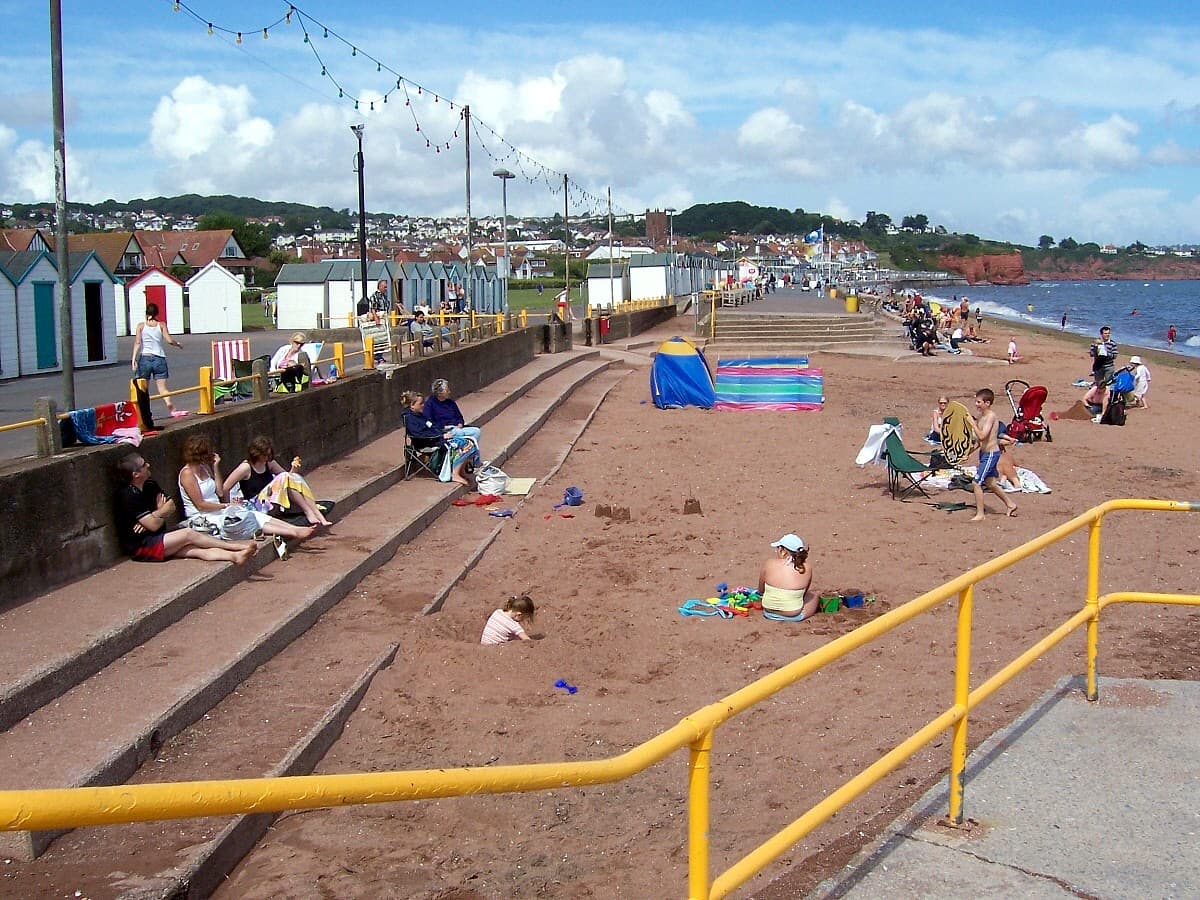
[422, 459]
[380, 334]
[240, 390]
[905, 472]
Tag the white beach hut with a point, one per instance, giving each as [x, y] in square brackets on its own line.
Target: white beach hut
[157, 287]
[9, 367]
[215, 300]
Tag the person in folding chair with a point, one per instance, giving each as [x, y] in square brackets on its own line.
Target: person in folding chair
[424, 435]
[292, 363]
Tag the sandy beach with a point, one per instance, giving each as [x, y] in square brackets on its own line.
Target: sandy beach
[608, 591]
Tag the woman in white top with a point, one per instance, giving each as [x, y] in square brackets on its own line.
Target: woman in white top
[150, 355]
[199, 481]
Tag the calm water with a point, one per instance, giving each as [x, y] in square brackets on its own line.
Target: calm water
[1090, 304]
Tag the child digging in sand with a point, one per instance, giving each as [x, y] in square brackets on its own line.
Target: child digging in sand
[986, 430]
[505, 624]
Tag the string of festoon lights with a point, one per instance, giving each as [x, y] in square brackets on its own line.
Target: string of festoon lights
[328, 46]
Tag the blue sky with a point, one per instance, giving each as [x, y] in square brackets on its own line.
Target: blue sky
[1059, 119]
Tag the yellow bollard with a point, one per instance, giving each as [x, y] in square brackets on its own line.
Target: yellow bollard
[524, 317]
[499, 323]
[339, 358]
[208, 403]
[349, 320]
[368, 353]
[851, 303]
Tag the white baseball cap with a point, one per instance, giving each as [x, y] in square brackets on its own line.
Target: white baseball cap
[789, 542]
[1135, 360]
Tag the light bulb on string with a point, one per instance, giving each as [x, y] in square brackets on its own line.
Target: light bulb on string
[210, 27]
[326, 32]
[239, 37]
[354, 51]
[288, 18]
[264, 34]
[340, 93]
[373, 105]
[356, 104]
[323, 71]
[176, 7]
[378, 67]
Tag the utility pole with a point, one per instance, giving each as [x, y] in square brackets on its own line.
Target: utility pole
[612, 294]
[466, 110]
[61, 254]
[566, 239]
[362, 212]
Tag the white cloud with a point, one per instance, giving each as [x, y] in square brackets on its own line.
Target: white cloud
[209, 123]
[1107, 144]
[27, 170]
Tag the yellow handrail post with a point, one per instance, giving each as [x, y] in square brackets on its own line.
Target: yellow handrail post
[962, 694]
[208, 402]
[349, 320]
[712, 316]
[1093, 606]
[368, 353]
[699, 763]
[524, 317]
[499, 323]
[339, 358]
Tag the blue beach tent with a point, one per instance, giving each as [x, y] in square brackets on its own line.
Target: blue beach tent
[680, 376]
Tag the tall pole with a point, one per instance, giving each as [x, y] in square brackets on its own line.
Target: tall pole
[670, 211]
[467, 132]
[362, 211]
[61, 255]
[504, 175]
[612, 294]
[566, 240]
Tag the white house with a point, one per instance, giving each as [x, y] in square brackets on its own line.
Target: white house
[215, 300]
[157, 287]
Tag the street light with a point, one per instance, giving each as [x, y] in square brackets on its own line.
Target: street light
[504, 175]
[671, 241]
[362, 210]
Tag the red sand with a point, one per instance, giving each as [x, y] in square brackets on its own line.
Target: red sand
[608, 592]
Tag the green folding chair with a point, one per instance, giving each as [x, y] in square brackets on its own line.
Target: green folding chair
[905, 472]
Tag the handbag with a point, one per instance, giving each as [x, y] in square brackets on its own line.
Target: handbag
[239, 525]
[491, 479]
[200, 522]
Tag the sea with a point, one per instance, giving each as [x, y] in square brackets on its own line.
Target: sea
[1138, 311]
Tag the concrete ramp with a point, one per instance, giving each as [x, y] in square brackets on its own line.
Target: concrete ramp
[1075, 799]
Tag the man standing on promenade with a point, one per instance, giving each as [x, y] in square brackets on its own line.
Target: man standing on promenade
[987, 430]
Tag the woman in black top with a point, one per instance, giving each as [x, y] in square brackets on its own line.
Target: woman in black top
[266, 486]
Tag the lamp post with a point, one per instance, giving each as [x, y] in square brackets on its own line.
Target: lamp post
[362, 210]
[504, 175]
[670, 211]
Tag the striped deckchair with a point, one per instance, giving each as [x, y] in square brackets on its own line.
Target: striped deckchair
[223, 355]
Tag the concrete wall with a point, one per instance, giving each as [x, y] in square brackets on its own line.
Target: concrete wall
[56, 515]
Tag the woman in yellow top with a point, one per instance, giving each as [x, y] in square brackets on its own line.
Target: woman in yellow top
[785, 581]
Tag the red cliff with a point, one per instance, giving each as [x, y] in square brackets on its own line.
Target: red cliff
[1004, 268]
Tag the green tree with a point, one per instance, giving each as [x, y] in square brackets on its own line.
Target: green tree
[253, 238]
[915, 223]
[1068, 243]
[877, 222]
[1045, 242]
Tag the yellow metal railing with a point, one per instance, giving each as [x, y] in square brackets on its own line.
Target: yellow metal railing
[75, 807]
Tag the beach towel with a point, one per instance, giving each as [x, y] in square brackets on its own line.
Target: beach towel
[519, 487]
[769, 383]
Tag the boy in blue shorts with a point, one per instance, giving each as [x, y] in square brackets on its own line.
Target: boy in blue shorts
[986, 429]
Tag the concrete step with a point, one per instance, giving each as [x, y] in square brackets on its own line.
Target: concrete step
[61, 638]
[277, 721]
[108, 725]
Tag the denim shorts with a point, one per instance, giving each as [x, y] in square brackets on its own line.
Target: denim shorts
[151, 366]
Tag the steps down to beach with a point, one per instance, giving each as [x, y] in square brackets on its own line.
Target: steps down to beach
[188, 676]
[796, 331]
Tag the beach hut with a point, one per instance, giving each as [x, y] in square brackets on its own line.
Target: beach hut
[315, 295]
[9, 360]
[214, 300]
[652, 275]
[152, 286]
[607, 284]
[31, 346]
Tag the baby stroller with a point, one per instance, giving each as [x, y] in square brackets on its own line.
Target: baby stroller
[1027, 424]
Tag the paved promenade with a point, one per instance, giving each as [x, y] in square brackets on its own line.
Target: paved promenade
[1074, 799]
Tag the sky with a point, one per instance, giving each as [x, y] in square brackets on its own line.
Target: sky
[1062, 118]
